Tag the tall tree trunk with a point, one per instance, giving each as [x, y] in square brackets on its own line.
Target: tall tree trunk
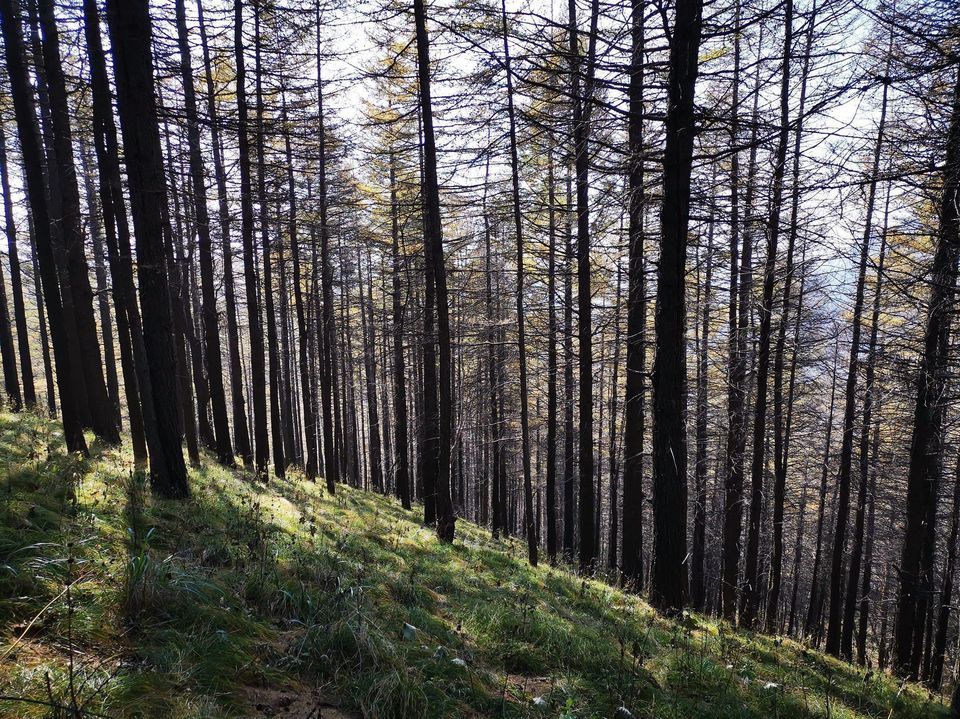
[697, 556]
[741, 289]
[613, 468]
[751, 597]
[633, 410]
[374, 446]
[569, 458]
[241, 432]
[401, 476]
[551, 448]
[130, 36]
[50, 388]
[530, 529]
[145, 437]
[668, 588]
[16, 280]
[95, 231]
[582, 101]
[311, 465]
[436, 276]
[103, 416]
[273, 351]
[928, 415]
[28, 132]
[839, 640]
[853, 600]
[327, 327]
[211, 325]
[254, 318]
[816, 598]
[946, 596]
[782, 416]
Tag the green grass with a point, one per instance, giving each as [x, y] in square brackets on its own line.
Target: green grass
[123, 605]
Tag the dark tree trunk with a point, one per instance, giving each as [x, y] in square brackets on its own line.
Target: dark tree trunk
[925, 446]
[130, 36]
[946, 596]
[95, 231]
[211, 325]
[797, 558]
[102, 414]
[839, 640]
[569, 458]
[816, 595]
[436, 277]
[374, 445]
[133, 354]
[782, 416]
[308, 396]
[582, 101]
[698, 551]
[254, 318]
[50, 389]
[16, 280]
[668, 574]
[752, 590]
[530, 529]
[266, 249]
[28, 132]
[614, 468]
[633, 422]
[551, 449]
[741, 290]
[241, 432]
[870, 397]
[401, 477]
[327, 327]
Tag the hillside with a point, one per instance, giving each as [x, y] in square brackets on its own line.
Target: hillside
[277, 600]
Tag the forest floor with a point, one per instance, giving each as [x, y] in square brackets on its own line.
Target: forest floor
[277, 600]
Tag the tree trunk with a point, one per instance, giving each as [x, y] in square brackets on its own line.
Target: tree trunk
[102, 414]
[254, 319]
[839, 639]
[241, 432]
[16, 280]
[211, 325]
[751, 597]
[551, 449]
[530, 529]
[928, 415]
[668, 588]
[130, 36]
[401, 477]
[633, 410]
[436, 276]
[133, 353]
[782, 416]
[697, 557]
[31, 149]
[581, 133]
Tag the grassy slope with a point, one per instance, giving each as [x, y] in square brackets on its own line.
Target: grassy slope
[182, 609]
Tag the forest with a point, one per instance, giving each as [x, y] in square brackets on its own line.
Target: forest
[509, 358]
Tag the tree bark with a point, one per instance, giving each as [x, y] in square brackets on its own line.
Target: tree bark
[633, 410]
[668, 575]
[31, 149]
[751, 597]
[436, 276]
[130, 35]
[925, 445]
[211, 325]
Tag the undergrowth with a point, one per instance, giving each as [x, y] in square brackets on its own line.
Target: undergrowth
[116, 604]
